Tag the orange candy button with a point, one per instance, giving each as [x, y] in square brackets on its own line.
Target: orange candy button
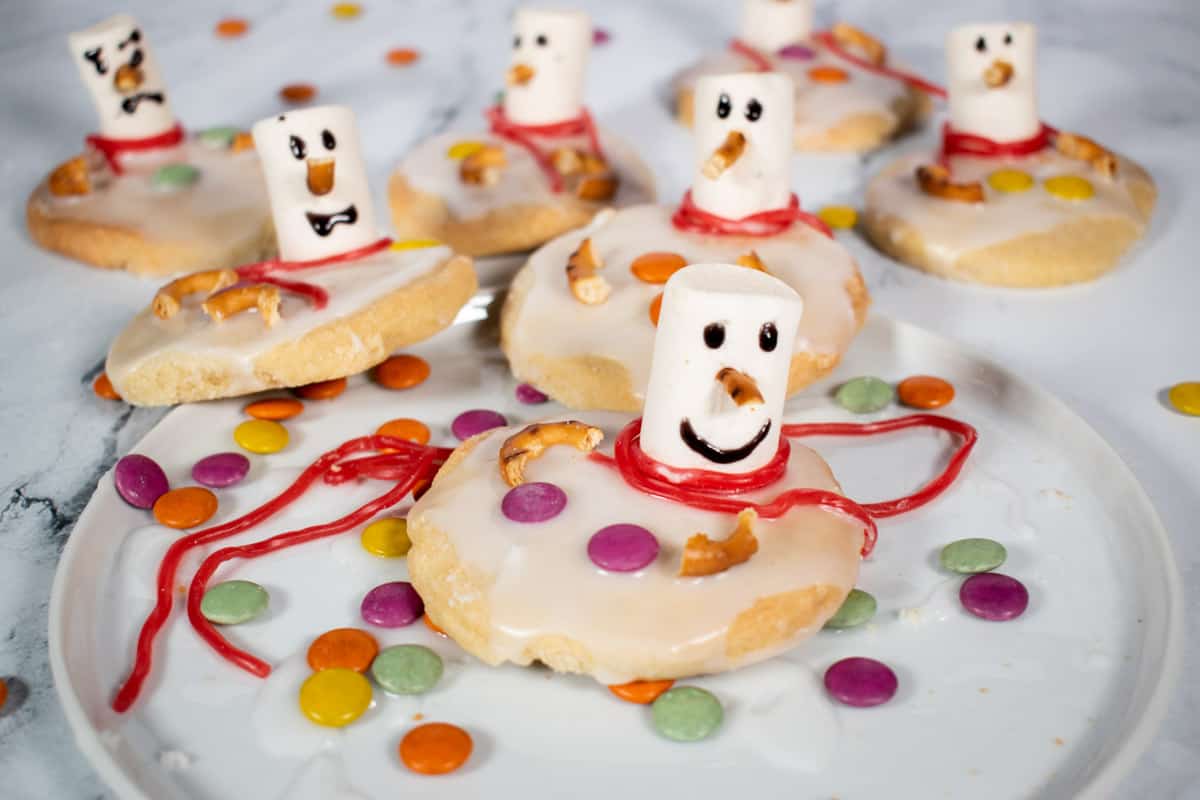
[641, 692]
[103, 387]
[432, 625]
[924, 391]
[657, 267]
[274, 408]
[655, 309]
[232, 27]
[323, 390]
[435, 748]
[186, 507]
[343, 648]
[402, 56]
[410, 429]
[402, 372]
[828, 75]
[298, 92]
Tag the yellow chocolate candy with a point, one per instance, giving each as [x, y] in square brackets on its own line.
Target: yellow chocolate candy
[1010, 180]
[386, 538]
[460, 150]
[1186, 397]
[415, 244]
[1069, 187]
[844, 217]
[335, 697]
[261, 436]
[346, 10]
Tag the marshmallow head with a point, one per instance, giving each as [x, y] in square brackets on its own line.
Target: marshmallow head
[549, 61]
[719, 374]
[992, 80]
[771, 25]
[119, 69]
[743, 130]
[317, 183]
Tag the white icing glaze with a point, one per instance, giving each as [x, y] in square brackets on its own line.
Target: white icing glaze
[1002, 113]
[554, 45]
[554, 325]
[542, 583]
[772, 24]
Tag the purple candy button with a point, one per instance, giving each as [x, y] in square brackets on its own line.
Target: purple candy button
[622, 548]
[220, 470]
[797, 52]
[392, 605]
[861, 682]
[140, 480]
[475, 421]
[600, 36]
[993, 596]
[533, 502]
[529, 395]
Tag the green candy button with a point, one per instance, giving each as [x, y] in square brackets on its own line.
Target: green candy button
[864, 395]
[175, 176]
[970, 556]
[219, 137]
[687, 714]
[407, 669]
[234, 602]
[857, 608]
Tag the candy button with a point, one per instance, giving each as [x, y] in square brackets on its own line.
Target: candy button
[657, 267]
[924, 391]
[298, 92]
[401, 372]
[993, 596]
[1185, 397]
[529, 395]
[140, 480]
[220, 470]
[476, 421]
[276, 408]
[386, 538]
[343, 648]
[402, 56]
[102, 387]
[219, 138]
[687, 714]
[861, 682]
[533, 502]
[864, 395]
[828, 75]
[655, 309]
[170, 177]
[335, 697]
[460, 150]
[392, 605]
[185, 508]
[622, 548]
[641, 692]
[435, 748]
[261, 436]
[346, 10]
[600, 36]
[857, 609]
[969, 556]
[1010, 180]
[1069, 187]
[407, 669]
[234, 602]
[232, 27]
[322, 390]
[409, 429]
[843, 217]
[415, 244]
[797, 52]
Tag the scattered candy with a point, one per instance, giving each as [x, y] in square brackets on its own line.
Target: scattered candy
[969, 556]
[655, 309]
[103, 387]
[797, 52]
[234, 602]
[600, 36]
[476, 421]
[402, 56]
[407, 669]
[839, 217]
[861, 682]
[924, 391]
[343, 648]
[242, 141]
[346, 10]
[864, 395]
[432, 625]
[992, 596]
[298, 92]
[622, 548]
[170, 177]
[322, 390]
[533, 502]
[261, 436]
[657, 267]
[335, 697]
[274, 408]
[1069, 187]
[687, 714]
[401, 372]
[392, 605]
[1010, 180]
[386, 538]
[460, 150]
[411, 429]
[435, 748]
[529, 395]
[185, 508]
[232, 27]
[414, 244]
[858, 608]
[641, 692]
[220, 470]
[1185, 397]
[140, 480]
[828, 75]
[219, 138]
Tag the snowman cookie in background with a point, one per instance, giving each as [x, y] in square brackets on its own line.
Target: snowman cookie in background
[341, 298]
[1007, 200]
[579, 320]
[146, 196]
[542, 169]
[847, 99]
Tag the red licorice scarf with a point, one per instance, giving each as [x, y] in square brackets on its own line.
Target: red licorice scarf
[526, 136]
[264, 271]
[957, 143]
[689, 217]
[114, 149]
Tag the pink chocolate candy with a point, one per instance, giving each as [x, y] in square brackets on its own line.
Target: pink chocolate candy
[475, 421]
[529, 395]
[861, 682]
[797, 52]
[533, 502]
[392, 605]
[220, 470]
[993, 596]
[622, 548]
[140, 480]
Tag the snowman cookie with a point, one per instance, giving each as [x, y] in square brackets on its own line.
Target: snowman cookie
[579, 320]
[339, 300]
[144, 195]
[543, 167]
[1007, 200]
[847, 97]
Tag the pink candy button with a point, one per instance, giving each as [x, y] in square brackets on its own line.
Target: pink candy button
[622, 548]
[993, 596]
[392, 605]
[861, 682]
[476, 421]
[533, 502]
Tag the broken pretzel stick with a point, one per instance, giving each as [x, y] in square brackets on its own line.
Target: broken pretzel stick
[262, 296]
[1072, 145]
[934, 180]
[751, 261]
[520, 74]
[532, 441]
[587, 285]
[724, 156]
[167, 302]
[740, 387]
[482, 168]
[849, 36]
[702, 556]
[70, 178]
[998, 74]
[597, 188]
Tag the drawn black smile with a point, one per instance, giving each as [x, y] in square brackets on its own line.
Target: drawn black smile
[130, 104]
[323, 224]
[698, 444]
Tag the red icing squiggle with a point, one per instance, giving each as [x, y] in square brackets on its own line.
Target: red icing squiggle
[264, 271]
[958, 143]
[526, 136]
[113, 149]
[693, 219]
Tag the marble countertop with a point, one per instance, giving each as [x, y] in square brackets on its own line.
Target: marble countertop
[1122, 73]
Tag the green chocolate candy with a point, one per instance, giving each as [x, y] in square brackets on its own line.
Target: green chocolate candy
[858, 608]
[219, 137]
[407, 669]
[687, 714]
[970, 556]
[864, 395]
[175, 176]
[234, 602]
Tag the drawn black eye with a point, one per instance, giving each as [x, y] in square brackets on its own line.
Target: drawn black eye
[516, 41]
[328, 140]
[298, 148]
[135, 36]
[724, 106]
[753, 110]
[768, 337]
[1008, 38]
[981, 44]
[136, 59]
[542, 40]
[714, 335]
[95, 56]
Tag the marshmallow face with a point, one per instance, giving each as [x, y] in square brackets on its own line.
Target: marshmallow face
[771, 25]
[719, 374]
[992, 80]
[549, 62]
[320, 199]
[756, 109]
[120, 71]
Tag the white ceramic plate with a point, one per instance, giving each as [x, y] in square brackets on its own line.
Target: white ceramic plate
[1058, 703]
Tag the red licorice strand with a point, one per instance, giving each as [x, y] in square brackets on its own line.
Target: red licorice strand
[523, 136]
[693, 219]
[760, 61]
[263, 271]
[827, 39]
[718, 482]
[384, 466]
[113, 149]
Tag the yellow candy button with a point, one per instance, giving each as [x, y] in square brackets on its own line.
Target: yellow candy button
[838, 216]
[1010, 180]
[346, 10]
[1070, 187]
[335, 697]
[261, 436]
[1186, 397]
[460, 150]
[386, 538]
[415, 244]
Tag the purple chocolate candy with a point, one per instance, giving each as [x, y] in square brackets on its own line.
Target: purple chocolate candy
[797, 52]
[528, 394]
[220, 470]
[993, 596]
[392, 605]
[861, 682]
[477, 420]
[140, 480]
[622, 548]
[600, 36]
[533, 502]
